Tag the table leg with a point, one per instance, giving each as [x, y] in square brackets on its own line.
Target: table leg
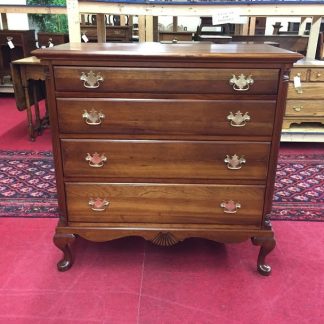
[29, 114]
[36, 107]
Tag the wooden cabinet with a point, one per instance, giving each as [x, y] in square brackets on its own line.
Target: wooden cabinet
[51, 39]
[23, 42]
[305, 100]
[113, 33]
[166, 143]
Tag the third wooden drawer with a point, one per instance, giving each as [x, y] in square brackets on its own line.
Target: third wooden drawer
[165, 159]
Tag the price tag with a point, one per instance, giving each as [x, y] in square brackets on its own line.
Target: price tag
[43, 46]
[297, 83]
[85, 38]
[226, 16]
[11, 45]
[50, 44]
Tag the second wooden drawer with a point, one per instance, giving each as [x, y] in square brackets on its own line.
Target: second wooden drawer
[166, 117]
[165, 159]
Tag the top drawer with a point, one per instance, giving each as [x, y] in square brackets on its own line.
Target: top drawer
[316, 74]
[166, 80]
[302, 73]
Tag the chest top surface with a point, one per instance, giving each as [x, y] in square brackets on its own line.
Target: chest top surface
[201, 51]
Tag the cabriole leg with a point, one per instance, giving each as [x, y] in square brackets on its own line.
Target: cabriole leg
[63, 242]
[267, 245]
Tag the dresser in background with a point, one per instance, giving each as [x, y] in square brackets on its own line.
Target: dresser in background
[22, 43]
[166, 142]
[113, 33]
[305, 99]
[51, 39]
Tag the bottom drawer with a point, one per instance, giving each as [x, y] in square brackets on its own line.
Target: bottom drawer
[164, 203]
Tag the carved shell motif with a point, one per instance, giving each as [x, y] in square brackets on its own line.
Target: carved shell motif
[165, 239]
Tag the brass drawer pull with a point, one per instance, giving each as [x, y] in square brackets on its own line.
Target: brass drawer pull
[230, 206]
[235, 162]
[91, 80]
[96, 160]
[318, 75]
[93, 117]
[98, 204]
[298, 108]
[242, 83]
[238, 119]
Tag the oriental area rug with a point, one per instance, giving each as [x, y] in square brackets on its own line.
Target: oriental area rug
[27, 186]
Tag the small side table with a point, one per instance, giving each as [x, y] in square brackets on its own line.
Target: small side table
[28, 77]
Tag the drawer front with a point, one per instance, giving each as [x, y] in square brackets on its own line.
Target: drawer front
[116, 32]
[164, 203]
[166, 117]
[165, 159]
[305, 108]
[310, 90]
[302, 73]
[164, 80]
[316, 74]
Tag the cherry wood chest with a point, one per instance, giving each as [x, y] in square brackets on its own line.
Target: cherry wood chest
[166, 141]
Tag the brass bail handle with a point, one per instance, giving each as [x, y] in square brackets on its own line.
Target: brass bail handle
[230, 206]
[91, 80]
[238, 119]
[98, 204]
[96, 160]
[234, 162]
[242, 82]
[298, 108]
[93, 117]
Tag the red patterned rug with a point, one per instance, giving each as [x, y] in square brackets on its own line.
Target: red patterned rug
[299, 188]
[27, 186]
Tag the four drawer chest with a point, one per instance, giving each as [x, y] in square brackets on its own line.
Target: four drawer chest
[166, 141]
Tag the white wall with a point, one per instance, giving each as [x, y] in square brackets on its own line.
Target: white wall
[16, 20]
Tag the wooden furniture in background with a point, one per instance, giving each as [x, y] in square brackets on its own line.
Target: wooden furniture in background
[206, 31]
[255, 10]
[175, 36]
[306, 103]
[47, 39]
[290, 42]
[113, 33]
[166, 142]
[24, 43]
[28, 76]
